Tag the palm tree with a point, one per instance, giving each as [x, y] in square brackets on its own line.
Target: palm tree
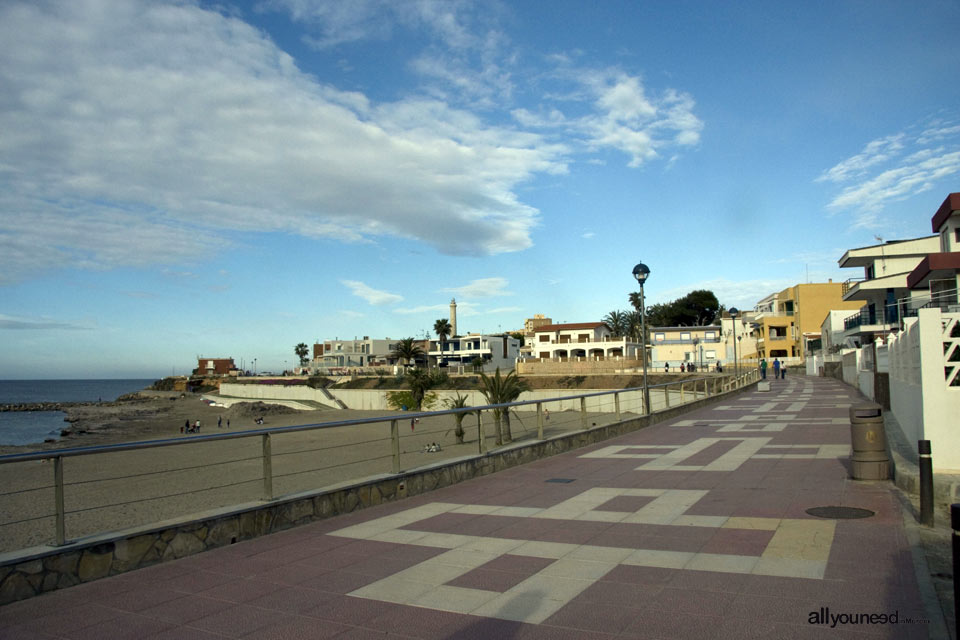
[442, 328]
[460, 402]
[617, 321]
[301, 350]
[420, 382]
[407, 350]
[499, 389]
[635, 300]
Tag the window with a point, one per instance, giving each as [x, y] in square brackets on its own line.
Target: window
[711, 335]
[659, 337]
[685, 336]
[710, 355]
[544, 337]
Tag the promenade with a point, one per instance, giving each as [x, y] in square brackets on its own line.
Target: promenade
[692, 528]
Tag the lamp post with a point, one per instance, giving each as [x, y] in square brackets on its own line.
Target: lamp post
[734, 312]
[696, 342]
[641, 272]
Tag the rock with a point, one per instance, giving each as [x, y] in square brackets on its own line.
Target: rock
[129, 553]
[15, 587]
[94, 565]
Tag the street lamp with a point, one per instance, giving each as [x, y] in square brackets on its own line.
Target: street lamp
[641, 272]
[696, 342]
[734, 312]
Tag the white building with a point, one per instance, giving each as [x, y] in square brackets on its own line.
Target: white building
[585, 339]
[354, 353]
[494, 350]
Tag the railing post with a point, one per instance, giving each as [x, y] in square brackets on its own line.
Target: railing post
[666, 396]
[58, 500]
[926, 483]
[583, 413]
[616, 404]
[267, 468]
[539, 421]
[395, 444]
[483, 442]
[682, 397]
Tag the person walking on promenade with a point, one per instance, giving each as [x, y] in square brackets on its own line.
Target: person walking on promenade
[776, 368]
[763, 368]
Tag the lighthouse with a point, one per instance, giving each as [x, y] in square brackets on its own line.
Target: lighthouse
[453, 317]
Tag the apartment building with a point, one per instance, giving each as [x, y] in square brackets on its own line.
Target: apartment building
[937, 276]
[882, 291]
[784, 320]
[493, 350]
[581, 340]
[702, 346]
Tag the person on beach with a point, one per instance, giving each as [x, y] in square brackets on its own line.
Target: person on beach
[186, 427]
[219, 422]
[776, 369]
[228, 423]
[763, 368]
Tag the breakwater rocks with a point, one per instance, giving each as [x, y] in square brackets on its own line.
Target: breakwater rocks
[50, 406]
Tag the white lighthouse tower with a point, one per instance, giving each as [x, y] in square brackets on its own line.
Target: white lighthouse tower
[453, 317]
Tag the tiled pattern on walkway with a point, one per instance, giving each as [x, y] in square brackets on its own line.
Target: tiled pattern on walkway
[694, 527]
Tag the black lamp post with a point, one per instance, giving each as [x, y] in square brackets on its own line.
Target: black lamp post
[641, 272]
[734, 312]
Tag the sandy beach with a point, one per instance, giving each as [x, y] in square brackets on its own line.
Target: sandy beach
[118, 490]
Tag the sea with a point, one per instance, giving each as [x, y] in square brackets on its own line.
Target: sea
[29, 427]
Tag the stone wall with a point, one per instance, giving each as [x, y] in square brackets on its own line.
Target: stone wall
[30, 572]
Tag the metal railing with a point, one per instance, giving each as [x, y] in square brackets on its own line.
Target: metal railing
[91, 490]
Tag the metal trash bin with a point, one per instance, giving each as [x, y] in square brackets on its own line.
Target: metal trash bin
[869, 443]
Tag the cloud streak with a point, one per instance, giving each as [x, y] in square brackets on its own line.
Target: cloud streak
[371, 295]
[179, 123]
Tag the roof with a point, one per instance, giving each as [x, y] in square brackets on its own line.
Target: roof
[705, 327]
[866, 256]
[569, 327]
[934, 265]
[950, 204]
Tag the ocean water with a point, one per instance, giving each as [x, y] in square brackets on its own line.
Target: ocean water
[28, 427]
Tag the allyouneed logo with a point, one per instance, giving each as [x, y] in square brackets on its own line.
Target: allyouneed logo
[823, 616]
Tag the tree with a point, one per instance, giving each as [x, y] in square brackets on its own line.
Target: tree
[460, 402]
[617, 322]
[698, 308]
[407, 350]
[499, 389]
[477, 363]
[442, 328]
[301, 350]
[519, 336]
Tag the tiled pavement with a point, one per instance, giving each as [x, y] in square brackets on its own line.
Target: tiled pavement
[694, 527]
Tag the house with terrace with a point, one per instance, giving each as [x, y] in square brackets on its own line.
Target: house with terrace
[590, 340]
[701, 346]
[493, 351]
[882, 291]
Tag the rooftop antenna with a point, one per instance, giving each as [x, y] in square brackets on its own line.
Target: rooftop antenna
[883, 257]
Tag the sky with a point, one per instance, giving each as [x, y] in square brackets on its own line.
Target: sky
[229, 179]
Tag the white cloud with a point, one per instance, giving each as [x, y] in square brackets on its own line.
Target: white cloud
[371, 295]
[13, 323]
[174, 123]
[482, 288]
[893, 168]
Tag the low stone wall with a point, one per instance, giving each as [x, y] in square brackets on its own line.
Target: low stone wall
[30, 572]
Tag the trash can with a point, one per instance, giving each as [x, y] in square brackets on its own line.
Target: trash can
[869, 443]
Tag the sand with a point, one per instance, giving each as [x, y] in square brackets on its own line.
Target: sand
[110, 491]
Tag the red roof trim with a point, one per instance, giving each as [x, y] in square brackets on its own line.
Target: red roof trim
[933, 262]
[568, 327]
[951, 204]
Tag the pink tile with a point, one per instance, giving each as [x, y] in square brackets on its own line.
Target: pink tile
[238, 620]
[127, 625]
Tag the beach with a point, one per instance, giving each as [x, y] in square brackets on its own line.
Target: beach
[112, 491]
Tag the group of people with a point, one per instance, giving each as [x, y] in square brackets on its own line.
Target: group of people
[433, 447]
[690, 367]
[779, 370]
[194, 427]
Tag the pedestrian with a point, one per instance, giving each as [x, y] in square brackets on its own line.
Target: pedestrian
[763, 368]
[776, 369]
[783, 371]
[219, 422]
[196, 426]
[228, 423]
[683, 367]
[186, 427]
[546, 414]
[666, 367]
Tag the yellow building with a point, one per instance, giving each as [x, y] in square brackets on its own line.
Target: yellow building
[783, 319]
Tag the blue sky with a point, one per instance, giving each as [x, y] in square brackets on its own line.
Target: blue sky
[232, 178]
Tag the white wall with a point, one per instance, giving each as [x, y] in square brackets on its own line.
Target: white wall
[920, 399]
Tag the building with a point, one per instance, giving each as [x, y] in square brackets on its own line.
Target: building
[701, 346]
[739, 329]
[460, 351]
[575, 340]
[215, 367]
[937, 276]
[782, 320]
[353, 353]
[530, 325]
[883, 287]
